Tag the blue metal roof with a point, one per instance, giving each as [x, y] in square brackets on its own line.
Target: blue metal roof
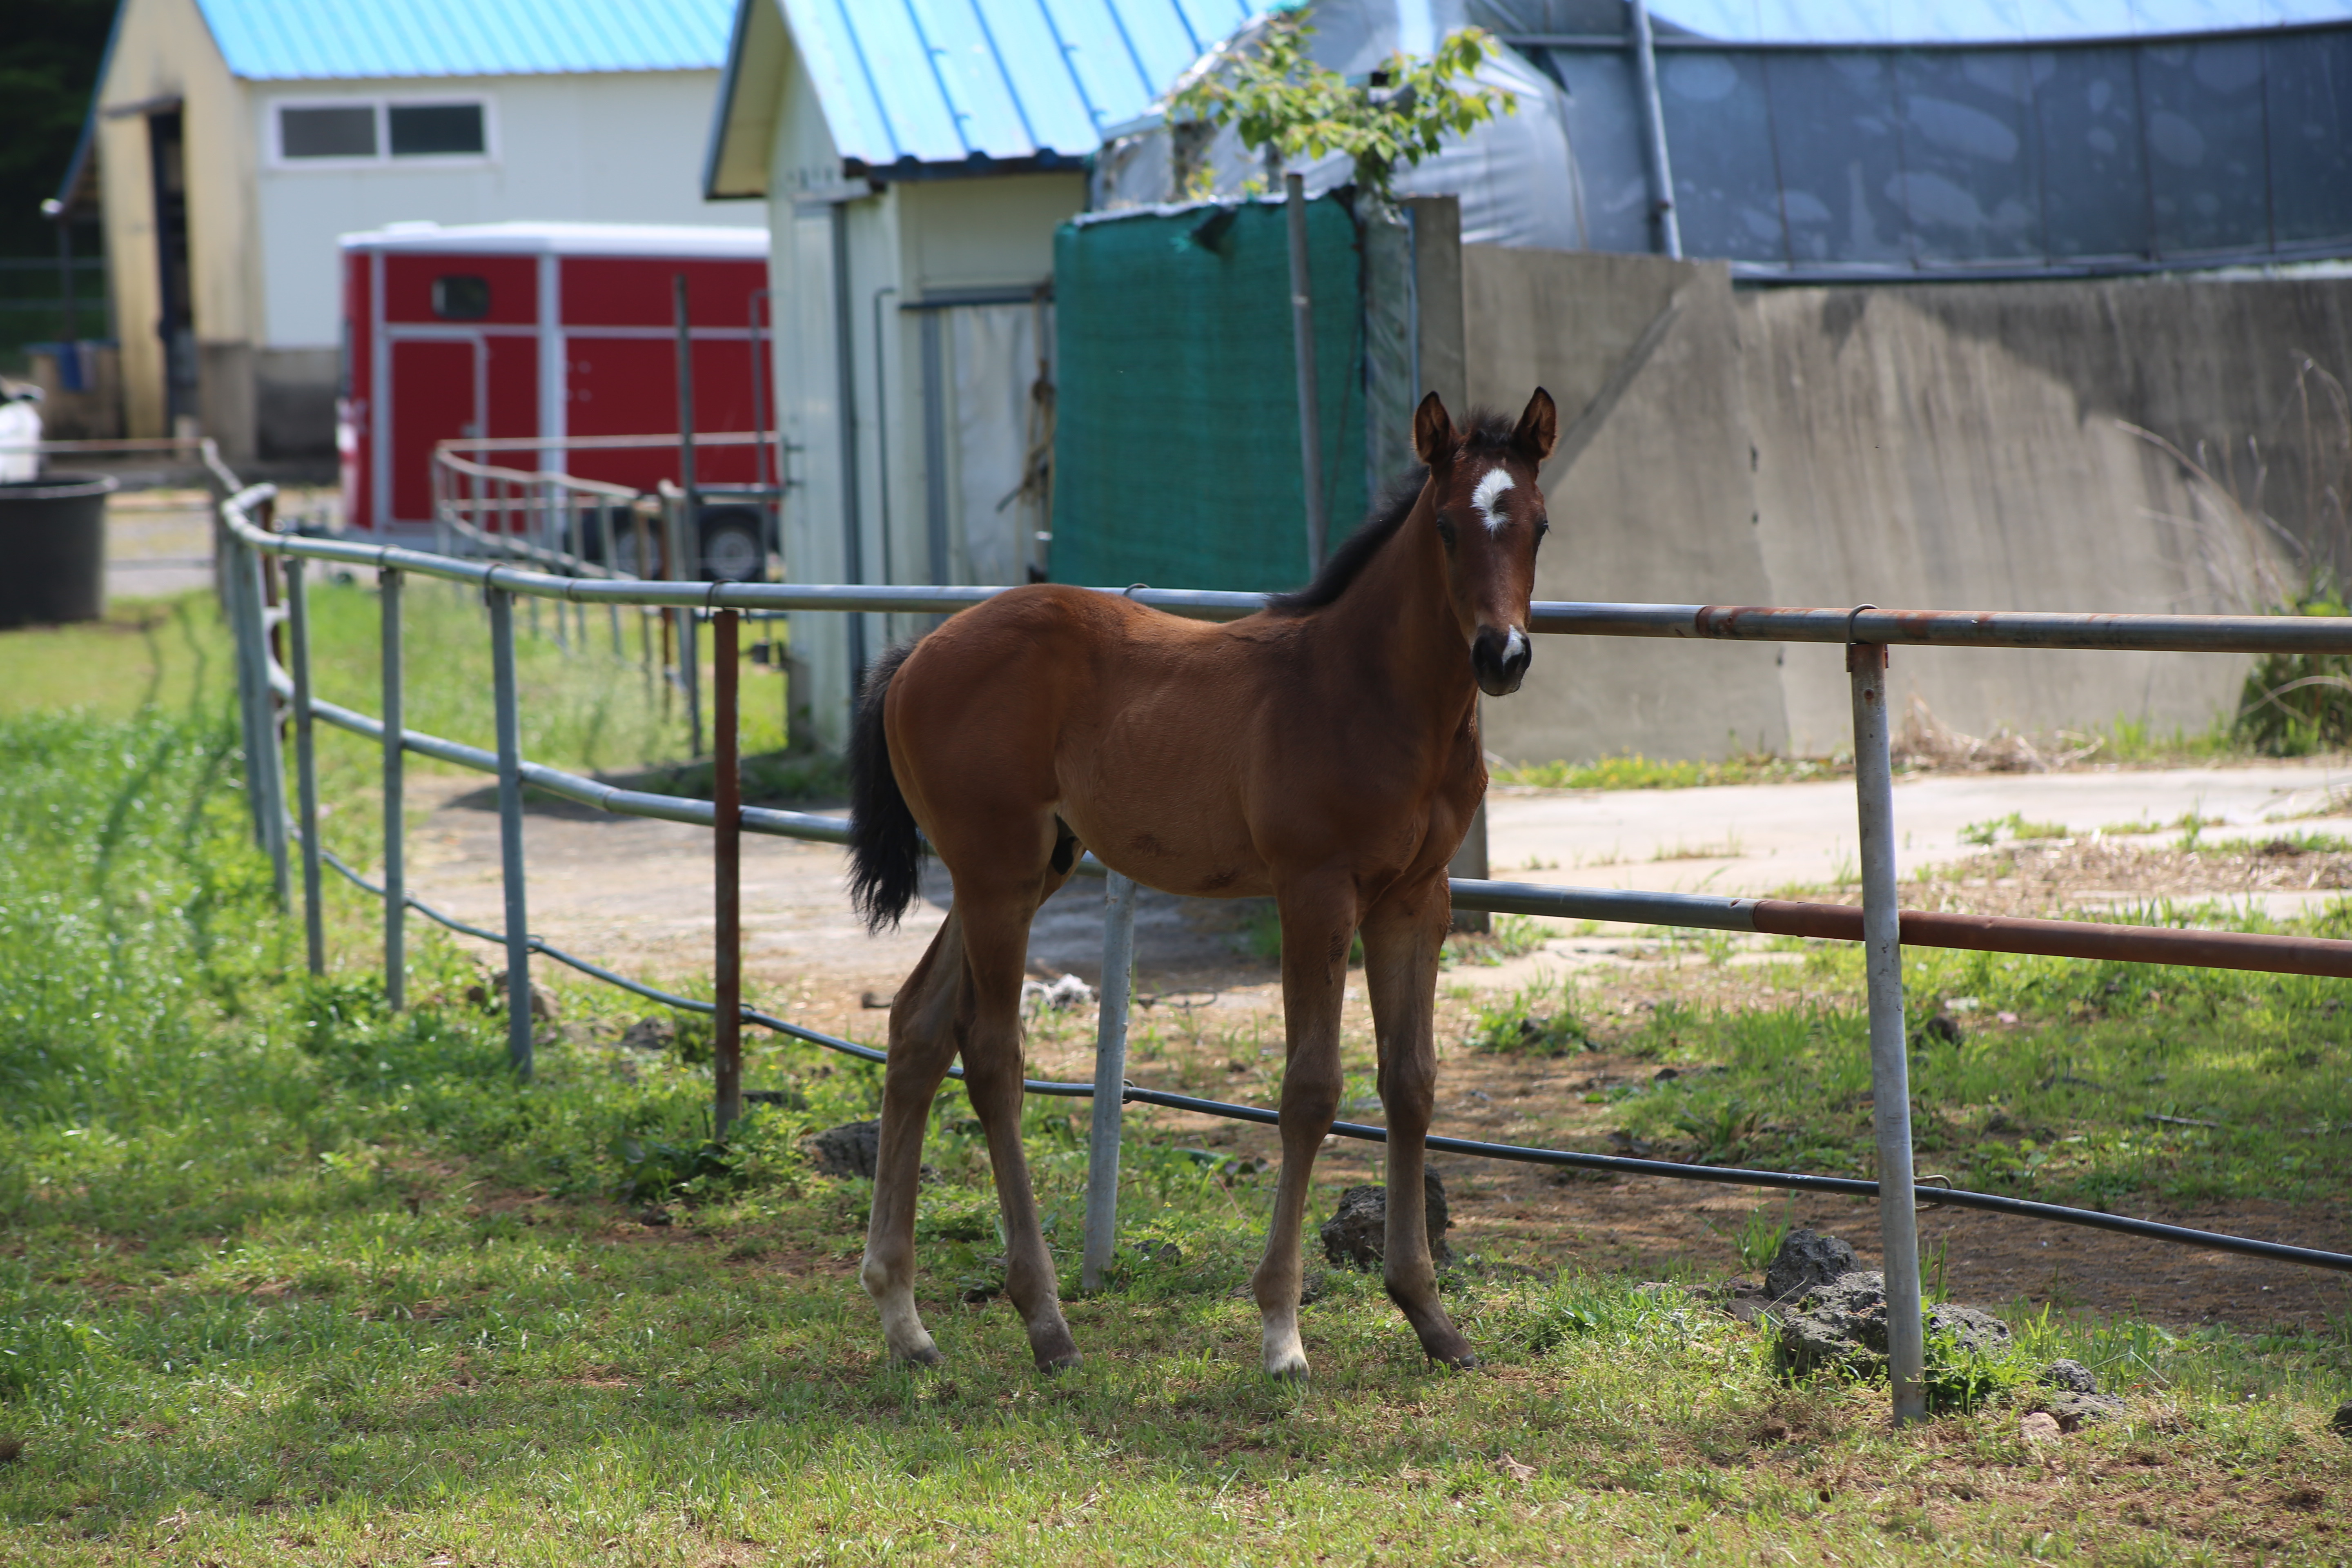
[321, 40]
[1982, 21]
[948, 82]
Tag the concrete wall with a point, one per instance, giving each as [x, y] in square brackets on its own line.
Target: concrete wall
[1658, 507]
[1940, 447]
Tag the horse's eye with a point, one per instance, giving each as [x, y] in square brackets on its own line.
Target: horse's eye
[1543, 526]
[1446, 529]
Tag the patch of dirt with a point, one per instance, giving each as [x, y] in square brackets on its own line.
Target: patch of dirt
[2057, 875]
[635, 894]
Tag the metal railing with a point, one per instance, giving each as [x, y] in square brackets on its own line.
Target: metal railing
[1878, 923]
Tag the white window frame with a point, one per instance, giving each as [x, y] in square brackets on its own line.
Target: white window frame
[274, 132]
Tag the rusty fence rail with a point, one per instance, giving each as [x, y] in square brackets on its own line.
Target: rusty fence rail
[271, 689]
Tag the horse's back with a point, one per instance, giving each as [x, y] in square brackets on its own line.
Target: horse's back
[1134, 726]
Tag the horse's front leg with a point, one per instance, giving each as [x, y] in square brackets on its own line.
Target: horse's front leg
[1319, 922]
[1403, 935]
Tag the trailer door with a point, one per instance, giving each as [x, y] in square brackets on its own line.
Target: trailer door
[440, 386]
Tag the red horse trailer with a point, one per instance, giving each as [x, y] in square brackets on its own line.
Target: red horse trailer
[547, 331]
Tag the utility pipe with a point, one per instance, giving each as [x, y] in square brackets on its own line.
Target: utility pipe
[1653, 122]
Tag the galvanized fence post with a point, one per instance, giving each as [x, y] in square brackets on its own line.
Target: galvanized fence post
[396, 761]
[306, 763]
[1890, 1076]
[236, 578]
[268, 767]
[727, 844]
[510, 860]
[1111, 1079]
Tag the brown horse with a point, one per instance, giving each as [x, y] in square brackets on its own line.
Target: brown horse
[1324, 751]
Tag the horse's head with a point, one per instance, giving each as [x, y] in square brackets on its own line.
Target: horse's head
[1490, 515]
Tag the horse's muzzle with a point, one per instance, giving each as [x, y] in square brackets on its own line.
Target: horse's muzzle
[1500, 659]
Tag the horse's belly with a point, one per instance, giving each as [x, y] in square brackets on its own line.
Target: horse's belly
[1172, 845]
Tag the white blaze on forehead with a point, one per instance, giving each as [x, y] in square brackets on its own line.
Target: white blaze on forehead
[1489, 491]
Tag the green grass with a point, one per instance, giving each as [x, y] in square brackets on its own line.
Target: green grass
[2055, 1106]
[2136, 742]
[2013, 826]
[1633, 771]
[287, 1278]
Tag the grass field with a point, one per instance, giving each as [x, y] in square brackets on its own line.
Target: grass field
[287, 1279]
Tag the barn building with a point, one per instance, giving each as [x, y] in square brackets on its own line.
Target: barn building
[233, 140]
[915, 160]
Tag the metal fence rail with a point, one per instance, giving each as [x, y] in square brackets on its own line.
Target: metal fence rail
[1878, 923]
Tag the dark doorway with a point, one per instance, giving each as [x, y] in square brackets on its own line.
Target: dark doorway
[176, 319]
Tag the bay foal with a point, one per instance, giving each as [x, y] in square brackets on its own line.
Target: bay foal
[1324, 751]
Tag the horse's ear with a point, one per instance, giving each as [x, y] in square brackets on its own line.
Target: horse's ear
[1433, 432]
[1538, 428]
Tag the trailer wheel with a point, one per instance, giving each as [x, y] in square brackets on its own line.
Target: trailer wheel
[733, 550]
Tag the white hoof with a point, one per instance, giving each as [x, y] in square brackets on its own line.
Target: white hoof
[1285, 1356]
[902, 1325]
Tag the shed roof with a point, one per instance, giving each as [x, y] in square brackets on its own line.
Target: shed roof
[974, 84]
[319, 40]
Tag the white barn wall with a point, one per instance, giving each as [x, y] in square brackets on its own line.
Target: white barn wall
[800, 268]
[614, 148]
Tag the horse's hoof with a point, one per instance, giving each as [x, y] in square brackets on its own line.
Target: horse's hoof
[1054, 1349]
[921, 1359]
[1466, 1362]
[1290, 1368]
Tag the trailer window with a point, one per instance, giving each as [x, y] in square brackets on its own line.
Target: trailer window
[345, 131]
[461, 297]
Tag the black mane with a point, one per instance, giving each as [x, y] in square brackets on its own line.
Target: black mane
[1489, 433]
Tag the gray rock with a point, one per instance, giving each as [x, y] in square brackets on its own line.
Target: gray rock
[2069, 1376]
[652, 1035]
[2341, 1421]
[2074, 1410]
[490, 996]
[848, 1150]
[1843, 1323]
[1356, 1236]
[1806, 1260]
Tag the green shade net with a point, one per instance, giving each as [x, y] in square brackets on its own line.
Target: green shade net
[1176, 439]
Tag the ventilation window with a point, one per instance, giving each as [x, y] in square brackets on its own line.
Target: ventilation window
[342, 131]
[461, 297]
[436, 129]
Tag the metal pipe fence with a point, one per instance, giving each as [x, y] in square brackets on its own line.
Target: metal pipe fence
[1879, 922]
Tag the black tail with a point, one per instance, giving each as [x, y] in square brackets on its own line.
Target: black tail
[886, 848]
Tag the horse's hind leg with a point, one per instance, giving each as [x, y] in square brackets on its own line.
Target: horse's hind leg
[996, 942]
[1402, 937]
[924, 1030]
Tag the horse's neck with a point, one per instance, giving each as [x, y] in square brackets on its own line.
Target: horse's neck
[1395, 625]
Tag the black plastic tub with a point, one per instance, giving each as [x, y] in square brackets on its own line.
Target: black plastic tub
[53, 548]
